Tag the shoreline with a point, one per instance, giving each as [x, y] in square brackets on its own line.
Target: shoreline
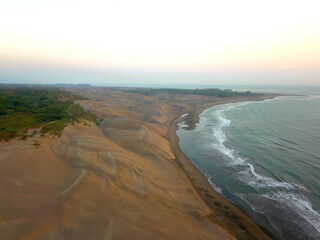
[222, 212]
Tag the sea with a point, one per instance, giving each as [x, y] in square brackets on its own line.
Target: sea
[264, 156]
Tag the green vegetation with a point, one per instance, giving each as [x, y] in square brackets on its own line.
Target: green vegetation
[28, 108]
[216, 92]
[54, 127]
[77, 114]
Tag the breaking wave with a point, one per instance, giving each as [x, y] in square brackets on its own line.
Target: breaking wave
[279, 190]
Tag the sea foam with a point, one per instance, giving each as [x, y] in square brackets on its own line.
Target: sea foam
[295, 202]
[184, 115]
[299, 204]
[263, 183]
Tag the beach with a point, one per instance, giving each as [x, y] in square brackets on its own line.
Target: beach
[224, 213]
[123, 179]
[256, 154]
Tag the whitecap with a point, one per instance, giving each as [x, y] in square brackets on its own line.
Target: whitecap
[298, 204]
[215, 187]
[249, 175]
[252, 178]
[182, 125]
[221, 138]
[184, 115]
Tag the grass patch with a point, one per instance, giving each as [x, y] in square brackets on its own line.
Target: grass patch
[12, 125]
[55, 128]
[26, 108]
[77, 113]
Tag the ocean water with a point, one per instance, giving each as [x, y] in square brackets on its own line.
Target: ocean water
[264, 157]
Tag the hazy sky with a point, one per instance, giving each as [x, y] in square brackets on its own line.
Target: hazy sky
[210, 42]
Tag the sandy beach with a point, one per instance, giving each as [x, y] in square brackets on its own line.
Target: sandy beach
[224, 213]
[123, 179]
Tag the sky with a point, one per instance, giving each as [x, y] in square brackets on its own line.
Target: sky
[160, 42]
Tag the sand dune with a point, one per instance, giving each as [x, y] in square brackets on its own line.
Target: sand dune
[116, 181]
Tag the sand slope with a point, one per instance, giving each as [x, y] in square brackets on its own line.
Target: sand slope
[116, 181]
[119, 181]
